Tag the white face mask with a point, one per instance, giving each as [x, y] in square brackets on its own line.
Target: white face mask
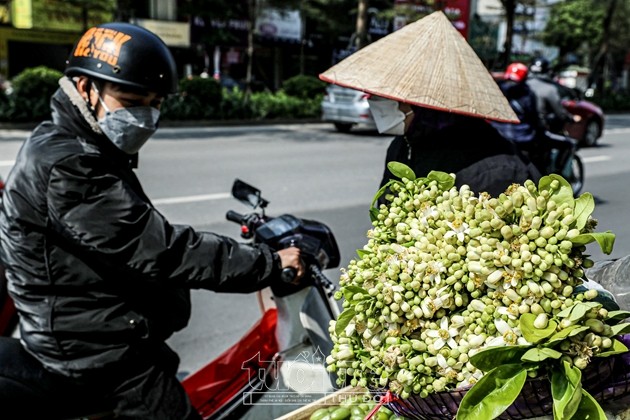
[388, 118]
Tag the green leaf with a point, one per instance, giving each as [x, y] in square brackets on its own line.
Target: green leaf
[493, 394]
[584, 206]
[567, 332]
[445, 181]
[565, 312]
[579, 311]
[538, 354]
[343, 320]
[606, 240]
[589, 408]
[401, 170]
[350, 291]
[363, 252]
[491, 357]
[566, 390]
[373, 214]
[367, 361]
[563, 195]
[619, 329]
[533, 334]
[379, 193]
[618, 315]
[617, 348]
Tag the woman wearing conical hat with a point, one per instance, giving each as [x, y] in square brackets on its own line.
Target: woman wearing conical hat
[433, 93]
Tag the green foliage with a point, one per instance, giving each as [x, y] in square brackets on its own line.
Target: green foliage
[619, 101]
[267, 105]
[234, 105]
[304, 87]
[574, 23]
[205, 99]
[30, 98]
[198, 98]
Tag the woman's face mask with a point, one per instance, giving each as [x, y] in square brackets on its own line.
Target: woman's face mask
[129, 128]
[388, 118]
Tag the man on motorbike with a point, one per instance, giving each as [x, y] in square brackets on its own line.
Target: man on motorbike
[523, 101]
[552, 117]
[549, 104]
[99, 277]
[531, 134]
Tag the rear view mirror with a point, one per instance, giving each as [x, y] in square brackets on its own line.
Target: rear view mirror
[248, 194]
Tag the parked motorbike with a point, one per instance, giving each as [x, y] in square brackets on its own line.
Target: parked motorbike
[276, 367]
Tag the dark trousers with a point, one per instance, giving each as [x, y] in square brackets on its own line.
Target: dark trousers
[146, 390]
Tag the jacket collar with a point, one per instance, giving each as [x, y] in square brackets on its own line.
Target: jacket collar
[71, 113]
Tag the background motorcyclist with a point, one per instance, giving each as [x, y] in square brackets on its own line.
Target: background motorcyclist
[549, 102]
[522, 99]
[99, 277]
[531, 134]
[552, 114]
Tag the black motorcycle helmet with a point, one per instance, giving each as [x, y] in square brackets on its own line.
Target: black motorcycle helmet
[125, 54]
[540, 65]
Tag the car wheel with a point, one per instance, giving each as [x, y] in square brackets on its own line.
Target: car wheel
[343, 127]
[591, 134]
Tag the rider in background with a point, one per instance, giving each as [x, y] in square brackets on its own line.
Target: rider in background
[551, 112]
[530, 134]
[99, 277]
[549, 103]
[522, 99]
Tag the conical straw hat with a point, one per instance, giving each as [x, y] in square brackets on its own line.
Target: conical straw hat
[426, 63]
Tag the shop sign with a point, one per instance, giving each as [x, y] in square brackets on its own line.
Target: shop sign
[458, 11]
[279, 24]
[174, 34]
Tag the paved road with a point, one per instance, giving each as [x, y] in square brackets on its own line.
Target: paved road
[311, 171]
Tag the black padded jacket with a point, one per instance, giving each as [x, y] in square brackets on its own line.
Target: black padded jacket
[100, 278]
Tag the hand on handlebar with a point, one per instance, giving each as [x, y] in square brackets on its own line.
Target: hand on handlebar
[290, 258]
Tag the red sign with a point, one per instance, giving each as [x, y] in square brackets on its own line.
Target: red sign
[458, 11]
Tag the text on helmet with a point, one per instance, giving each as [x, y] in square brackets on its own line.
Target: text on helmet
[101, 44]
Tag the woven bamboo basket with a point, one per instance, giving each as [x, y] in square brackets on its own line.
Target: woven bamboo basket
[606, 379]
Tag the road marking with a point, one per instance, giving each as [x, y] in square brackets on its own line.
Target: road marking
[600, 158]
[169, 200]
[191, 198]
[620, 130]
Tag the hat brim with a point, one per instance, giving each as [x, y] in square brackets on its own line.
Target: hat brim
[428, 64]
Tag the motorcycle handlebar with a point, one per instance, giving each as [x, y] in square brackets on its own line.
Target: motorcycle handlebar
[234, 216]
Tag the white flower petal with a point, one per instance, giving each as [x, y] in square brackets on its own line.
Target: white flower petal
[439, 343]
[502, 326]
[451, 343]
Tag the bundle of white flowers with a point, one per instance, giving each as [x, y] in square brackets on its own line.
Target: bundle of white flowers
[449, 280]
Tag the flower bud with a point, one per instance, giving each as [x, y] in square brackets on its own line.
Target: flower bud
[541, 321]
